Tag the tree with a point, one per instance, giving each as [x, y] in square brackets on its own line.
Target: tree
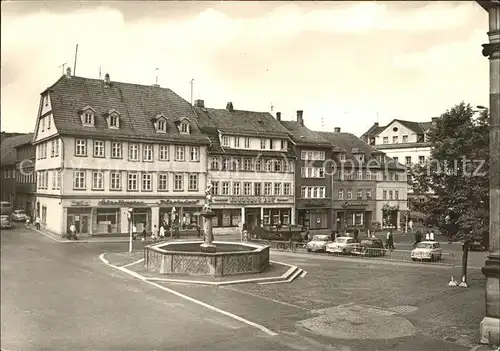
[455, 179]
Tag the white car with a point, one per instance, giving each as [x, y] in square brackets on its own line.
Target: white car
[342, 245]
[427, 250]
[318, 243]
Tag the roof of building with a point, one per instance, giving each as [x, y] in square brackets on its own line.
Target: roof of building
[136, 104]
[351, 144]
[9, 145]
[301, 135]
[417, 127]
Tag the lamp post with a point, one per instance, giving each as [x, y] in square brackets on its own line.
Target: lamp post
[490, 333]
[129, 217]
[172, 222]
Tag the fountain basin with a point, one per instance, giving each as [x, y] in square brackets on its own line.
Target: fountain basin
[187, 258]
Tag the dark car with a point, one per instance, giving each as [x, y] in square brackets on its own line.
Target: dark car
[370, 247]
[477, 244]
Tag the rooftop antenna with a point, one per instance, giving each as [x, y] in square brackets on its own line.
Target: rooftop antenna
[76, 56]
[156, 69]
[99, 72]
[192, 86]
[377, 118]
[322, 123]
[272, 107]
[62, 66]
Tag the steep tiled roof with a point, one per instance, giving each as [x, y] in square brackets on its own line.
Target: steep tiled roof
[348, 142]
[302, 135]
[136, 104]
[417, 127]
[8, 148]
[374, 130]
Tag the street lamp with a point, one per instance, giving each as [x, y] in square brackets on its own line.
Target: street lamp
[129, 217]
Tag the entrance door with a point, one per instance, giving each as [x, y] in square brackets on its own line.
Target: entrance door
[84, 224]
[76, 220]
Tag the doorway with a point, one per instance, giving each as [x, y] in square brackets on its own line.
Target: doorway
[252, 218]
[81, 222]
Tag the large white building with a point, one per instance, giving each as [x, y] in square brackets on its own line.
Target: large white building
[251, 168]
[103, 147]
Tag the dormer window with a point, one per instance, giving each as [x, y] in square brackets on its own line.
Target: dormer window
[87, 116]
[360, 157]
[113, 119]
[342, 157]
[160, 123]
[185, 127]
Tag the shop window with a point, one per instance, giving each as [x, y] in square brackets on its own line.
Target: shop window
[228, 218]
[106, 221]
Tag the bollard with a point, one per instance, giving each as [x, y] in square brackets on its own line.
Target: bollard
[463, 284]
[452, 282]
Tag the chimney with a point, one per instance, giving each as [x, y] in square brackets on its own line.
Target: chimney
[300, 118]
[199, 103]
[229, 106]
[336, 129]
[278, 116]
[68, 72]
[107, 80]
[434, 120]
[375, 124]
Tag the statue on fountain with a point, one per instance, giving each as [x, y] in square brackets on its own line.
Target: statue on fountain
[207, 207]
[208, 214]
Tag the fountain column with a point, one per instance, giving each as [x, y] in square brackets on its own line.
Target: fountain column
[208, 236]
[490, 325]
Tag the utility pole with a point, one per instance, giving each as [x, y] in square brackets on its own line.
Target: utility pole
[192, 87]
[76, 56]
[62, 66]
[156, 69]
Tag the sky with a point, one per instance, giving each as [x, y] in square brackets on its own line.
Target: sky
[345, 64]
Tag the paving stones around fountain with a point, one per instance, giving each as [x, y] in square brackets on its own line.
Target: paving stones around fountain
[276, 272]
[359, 322]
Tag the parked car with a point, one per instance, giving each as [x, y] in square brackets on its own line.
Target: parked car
[343, 245]
[5, 221]
[477, 244]
[318, 243]
[369, 247]
[19, 216]
[427, 250]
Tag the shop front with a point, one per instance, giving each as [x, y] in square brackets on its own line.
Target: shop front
[252, 211]
[184, 213]
[350, 214]
[314, 214]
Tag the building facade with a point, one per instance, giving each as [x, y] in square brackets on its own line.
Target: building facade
[250, 168]
[105, 147]
[369, 188]
[26, 177]
[313, 180]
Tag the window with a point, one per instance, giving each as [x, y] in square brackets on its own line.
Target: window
[391, 195]
[43, 124]
[225, 188]
[258, 164]
[185, 127]
[178, 182]
[56, 144]
[179, 153]
[116, 181]
[164, 153]
[268, 165]
[277, 189]
[386, 140]
[113, 121]
[116, 150]
[287, 189]
[384, 194]
[163, 182]
[97, 181]
[421, 159]
[395, 139]
[235, 164]
[368, 175]
[313, 192]
[408, 160]
[341, 194]
[58, 180]
[263, 143]
[342, 157]
[396, 194]
[52, 148]
[313, 172]
[98, 148]
[313, 155]
[368, 193]
[257, 189]
[88, 118]
[277, 166]
[195, 153]
[147, 152]
[225, 164]
[225, 140]
[405, 138]
[147, 182]
[214, 163]
[247, 143]
[53, 180]
[132, 182]
[247, 164]
[247, 188]
[162, 125]
[396, 176]
[49, 120]
[80, 147]
[349, 194]
[267, 189]
[193, 182]
[133, 152]
[359, 193]
[284, 144]
[395, 158]
[79, 180]
[46, 100]
[271, 144]
[215, 188]
[359, 175]
[236, 141]
[236, 188]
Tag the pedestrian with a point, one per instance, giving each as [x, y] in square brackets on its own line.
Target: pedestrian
[37, 223]
[332, 235]
[144, 234]
[134, 232]
[427, 236]
[162, 232]
[391, 240]
[356, 234]
[72, 232]
[431, 236]
[309, 236]
[418, 237]
[154, 233]
[240, 230]
[410, 225]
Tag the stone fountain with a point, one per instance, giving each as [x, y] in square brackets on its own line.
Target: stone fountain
[207, 257]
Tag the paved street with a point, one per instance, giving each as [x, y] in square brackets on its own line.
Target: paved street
[62, 297]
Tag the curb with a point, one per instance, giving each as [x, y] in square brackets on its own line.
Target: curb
[79, 241]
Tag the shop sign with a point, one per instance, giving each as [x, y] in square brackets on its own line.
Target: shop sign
[315, 203]
[354, 204]
[179, 202]
[256, 200]
[121, 203]
[80, 203]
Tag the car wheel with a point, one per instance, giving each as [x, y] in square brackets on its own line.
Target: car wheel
[413, 259]
[308, 250]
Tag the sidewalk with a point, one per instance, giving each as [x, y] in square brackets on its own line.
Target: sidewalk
[100, 239]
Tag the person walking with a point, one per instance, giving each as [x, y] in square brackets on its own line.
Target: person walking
[37, 223]
[427, 236]
[72, 232]
[162, 232]
[134, 232]
[418, 238]
[144, 234]
[410, 225]
[431, 236]
[332, 235]
[154, 233]
[356, 234]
